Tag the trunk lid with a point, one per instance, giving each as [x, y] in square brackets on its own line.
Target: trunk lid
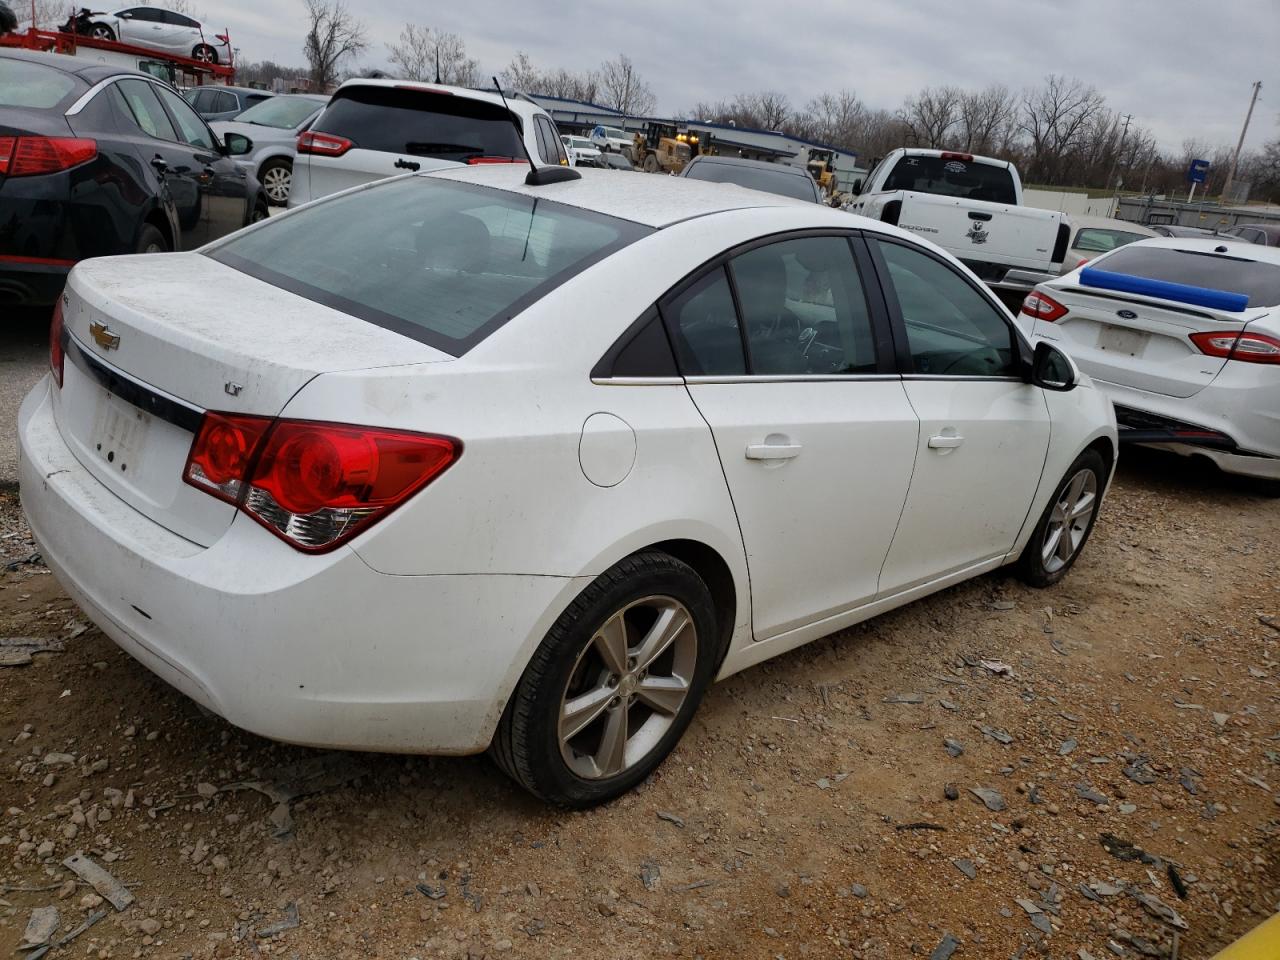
[326, 175]
[977, 230]
[1136, 341]
[156, 340]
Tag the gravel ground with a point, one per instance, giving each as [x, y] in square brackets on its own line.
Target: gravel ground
[1112, 745]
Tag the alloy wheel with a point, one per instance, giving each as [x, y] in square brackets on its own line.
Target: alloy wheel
[627, 687]
[1069, 522]
[102, 33]
[276, 182]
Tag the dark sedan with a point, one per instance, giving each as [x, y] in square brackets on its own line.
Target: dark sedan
[98, 160]
[757, 174]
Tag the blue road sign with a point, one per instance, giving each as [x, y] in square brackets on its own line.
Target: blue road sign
[1198, 172]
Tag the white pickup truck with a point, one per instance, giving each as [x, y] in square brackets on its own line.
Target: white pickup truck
[972, 208]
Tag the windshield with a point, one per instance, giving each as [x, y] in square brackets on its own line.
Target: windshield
[1100, 239]
[284, 113]
[1260, 282]
[777, 181]
[948, 176]
[441, 262]
[421, 123]
[616, 134]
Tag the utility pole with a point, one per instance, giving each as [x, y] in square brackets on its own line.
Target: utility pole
[1116, 159]
[1235, 157]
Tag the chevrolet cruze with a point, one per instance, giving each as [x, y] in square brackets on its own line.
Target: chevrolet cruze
[395, 489]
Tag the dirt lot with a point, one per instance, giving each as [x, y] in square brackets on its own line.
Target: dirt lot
[805, 814]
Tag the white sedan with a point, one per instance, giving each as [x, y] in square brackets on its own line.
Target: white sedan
[1184, 336]
[158, 29]
[393, 489]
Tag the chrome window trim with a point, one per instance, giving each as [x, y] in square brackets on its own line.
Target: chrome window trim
[101, 85]
[638, 381]
[972, 378]
[794, 378]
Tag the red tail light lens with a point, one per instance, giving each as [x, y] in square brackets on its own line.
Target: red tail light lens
[323, 144]
[57, 358]
[30, 156]
[475, 161]
[1249, 347]
[314, 485]
[966, 157]
[1043, 307]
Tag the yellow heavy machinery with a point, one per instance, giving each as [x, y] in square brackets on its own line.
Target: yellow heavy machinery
[661, 149]
[821, 164]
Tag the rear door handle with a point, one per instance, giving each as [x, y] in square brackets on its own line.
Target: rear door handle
[944, 442]
[772, 451]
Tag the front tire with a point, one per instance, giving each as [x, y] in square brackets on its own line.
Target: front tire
[100, 31]
[1066, 523]
[613, 685]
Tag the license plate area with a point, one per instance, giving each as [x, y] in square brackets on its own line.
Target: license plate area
[1131, 343]
[118, 438]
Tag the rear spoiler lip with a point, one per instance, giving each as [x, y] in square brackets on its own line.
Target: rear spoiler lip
[1164, 290]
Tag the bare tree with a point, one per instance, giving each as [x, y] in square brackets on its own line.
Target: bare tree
[930, 115]
[521, 74]
[426, 54]
[569, 85]
[622, 88]
[1054, 117]
[333, 35]
[986, 119]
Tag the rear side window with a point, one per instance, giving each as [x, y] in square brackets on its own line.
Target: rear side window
[191, 127]
[441, 262]
[33, 85]
[1260, 282]
[421, 123]
[953, 177]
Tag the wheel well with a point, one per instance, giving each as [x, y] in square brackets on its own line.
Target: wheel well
[158, 220]
[274, 158]
[1105, 450]
[715, 573]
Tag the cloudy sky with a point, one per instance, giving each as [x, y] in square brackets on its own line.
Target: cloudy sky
[1183, 68]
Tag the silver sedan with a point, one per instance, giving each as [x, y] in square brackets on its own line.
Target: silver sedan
[273, 126]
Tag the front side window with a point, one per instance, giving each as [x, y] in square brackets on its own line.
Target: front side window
[952, 329]
[803, 308]
[142, 13]
[190, 127]
[143, 107]
[442, 262]
[704, 328]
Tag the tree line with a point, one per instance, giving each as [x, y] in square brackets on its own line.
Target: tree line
[1060, 131]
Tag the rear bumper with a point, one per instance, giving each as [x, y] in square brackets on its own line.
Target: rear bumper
[316, 650]
[1238, 418]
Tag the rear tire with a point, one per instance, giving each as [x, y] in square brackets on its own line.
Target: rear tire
[204, 53]
[1067, 522]
[596, 656]
[151, 240]
[276, 176]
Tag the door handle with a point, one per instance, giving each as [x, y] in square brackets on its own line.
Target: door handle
[945, 442]
[772, 451]
[158, 162]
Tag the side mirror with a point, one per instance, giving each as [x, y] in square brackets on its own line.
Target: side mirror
[1051, 369]
[238, 145]
[857, 187]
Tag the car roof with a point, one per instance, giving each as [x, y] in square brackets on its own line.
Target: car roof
[1110, 223]
[233, 89]
[1224, 245]
[90, 71]
[753, 164]
[1270, 229]
[652, 200]
[515, 102]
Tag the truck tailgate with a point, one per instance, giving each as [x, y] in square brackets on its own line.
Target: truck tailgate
[1017, 237]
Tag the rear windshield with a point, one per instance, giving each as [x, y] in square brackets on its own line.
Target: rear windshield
[421, 123]
[284, 113]
[1260, 282]
[950, 177]
[1102, 239]
[780, 182]
[25, 84]
[442, 262]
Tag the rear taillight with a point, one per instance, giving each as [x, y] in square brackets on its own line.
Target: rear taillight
[314, 485]
[323, 144]
[1043, 307]
[1249, 347]
[57, 356]
[31, 156]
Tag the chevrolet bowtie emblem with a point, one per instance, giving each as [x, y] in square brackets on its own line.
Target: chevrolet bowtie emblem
[103, 336]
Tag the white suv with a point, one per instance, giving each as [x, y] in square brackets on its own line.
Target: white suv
[373, 129]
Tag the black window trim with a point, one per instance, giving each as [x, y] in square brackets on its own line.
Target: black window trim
[630, 231]
[905, 361]
[883, 338]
